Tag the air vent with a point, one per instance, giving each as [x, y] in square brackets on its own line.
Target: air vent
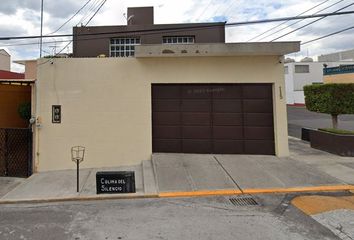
[243, 201]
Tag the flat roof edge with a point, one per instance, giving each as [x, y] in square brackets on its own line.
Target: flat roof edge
[216, 49]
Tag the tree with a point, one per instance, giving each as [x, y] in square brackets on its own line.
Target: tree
[334, 99]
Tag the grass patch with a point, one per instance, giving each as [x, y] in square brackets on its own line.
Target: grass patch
[337, 131]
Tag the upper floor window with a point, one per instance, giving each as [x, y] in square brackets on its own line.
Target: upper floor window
[123, 47]
[302, 68]
[178, 40]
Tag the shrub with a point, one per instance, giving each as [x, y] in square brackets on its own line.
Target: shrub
[334, 99]
[24, 110]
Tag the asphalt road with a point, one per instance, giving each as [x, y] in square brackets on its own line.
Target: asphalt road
[192, 218]
[299, 117]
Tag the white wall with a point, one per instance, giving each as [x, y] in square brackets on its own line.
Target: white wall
[295, 82]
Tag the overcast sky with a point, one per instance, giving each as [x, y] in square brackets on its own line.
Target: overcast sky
[22, 18]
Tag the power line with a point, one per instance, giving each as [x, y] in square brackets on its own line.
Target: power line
[77, 12]
[94, 5]
[99, 8]
[185, 27]
[261, 34]
[288, 26]
[228, 9]
[310, 23]
[204, 10]
[313, 40]
[328, 35]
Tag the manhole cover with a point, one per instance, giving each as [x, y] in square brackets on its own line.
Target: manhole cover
[243, 201]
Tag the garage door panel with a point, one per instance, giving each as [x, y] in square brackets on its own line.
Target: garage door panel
[227, 132]
[227, 119]
[166, 105]
[227, 106]
[167, 145]
[213, 118]
[257, 91]
[195, 105]
[166, 132]
[196, 91]
[259, 147]
[227, 91]
[258, 119]
[259, 133]
[166, 91]
[202, 119]
[257, 106]
[196, 132]
[166, 118]
[196, 146]
[228, 146]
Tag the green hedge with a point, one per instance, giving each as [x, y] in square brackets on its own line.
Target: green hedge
[334, 99]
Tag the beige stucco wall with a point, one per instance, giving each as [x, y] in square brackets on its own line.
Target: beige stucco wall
[31, 69]
[339, 78]
[5, 60]
[106, 103]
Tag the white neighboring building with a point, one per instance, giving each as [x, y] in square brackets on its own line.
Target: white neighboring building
[5, 60]
[305, 72]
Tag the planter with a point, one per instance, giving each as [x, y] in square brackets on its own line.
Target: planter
[339, 144]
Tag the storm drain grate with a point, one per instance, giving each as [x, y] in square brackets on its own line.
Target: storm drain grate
[243, 201]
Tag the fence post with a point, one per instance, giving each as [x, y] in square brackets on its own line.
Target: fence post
[6, 152]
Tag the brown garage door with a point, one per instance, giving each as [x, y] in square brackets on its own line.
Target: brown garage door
[213, 118]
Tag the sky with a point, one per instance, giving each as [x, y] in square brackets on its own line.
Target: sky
[22, 18]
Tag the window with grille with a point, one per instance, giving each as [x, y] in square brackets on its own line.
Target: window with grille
[178, 40]
[123, 47]
[302, 68]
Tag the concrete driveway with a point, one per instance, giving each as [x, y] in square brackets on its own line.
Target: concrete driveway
[306, 167]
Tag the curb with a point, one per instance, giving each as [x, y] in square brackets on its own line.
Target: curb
[202, 193]
[335, 188]
[71, 199]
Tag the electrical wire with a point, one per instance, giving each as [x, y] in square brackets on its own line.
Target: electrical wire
[269, 30]
[186, 27]
[294, 23]
[310, 23]
[95, 13]
[229, 8]
[94, 4]
[204, 10]
[77, 12]
[99, 8]
[328, 35]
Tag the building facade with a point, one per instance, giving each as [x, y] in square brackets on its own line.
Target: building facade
[201, 98]
[340, 74]
[120, 41]
[5, 60]
[337, 56]
[300, 74]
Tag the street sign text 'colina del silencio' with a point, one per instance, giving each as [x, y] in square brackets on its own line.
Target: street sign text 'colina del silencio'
[115, 182]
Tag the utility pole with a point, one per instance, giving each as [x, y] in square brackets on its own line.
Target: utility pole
[41, 40]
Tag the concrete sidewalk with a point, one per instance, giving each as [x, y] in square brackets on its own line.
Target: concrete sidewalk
[305, 169]
[61, 185]
[166, 175]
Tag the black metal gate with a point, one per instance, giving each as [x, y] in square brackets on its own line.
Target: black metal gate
[15, 152]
